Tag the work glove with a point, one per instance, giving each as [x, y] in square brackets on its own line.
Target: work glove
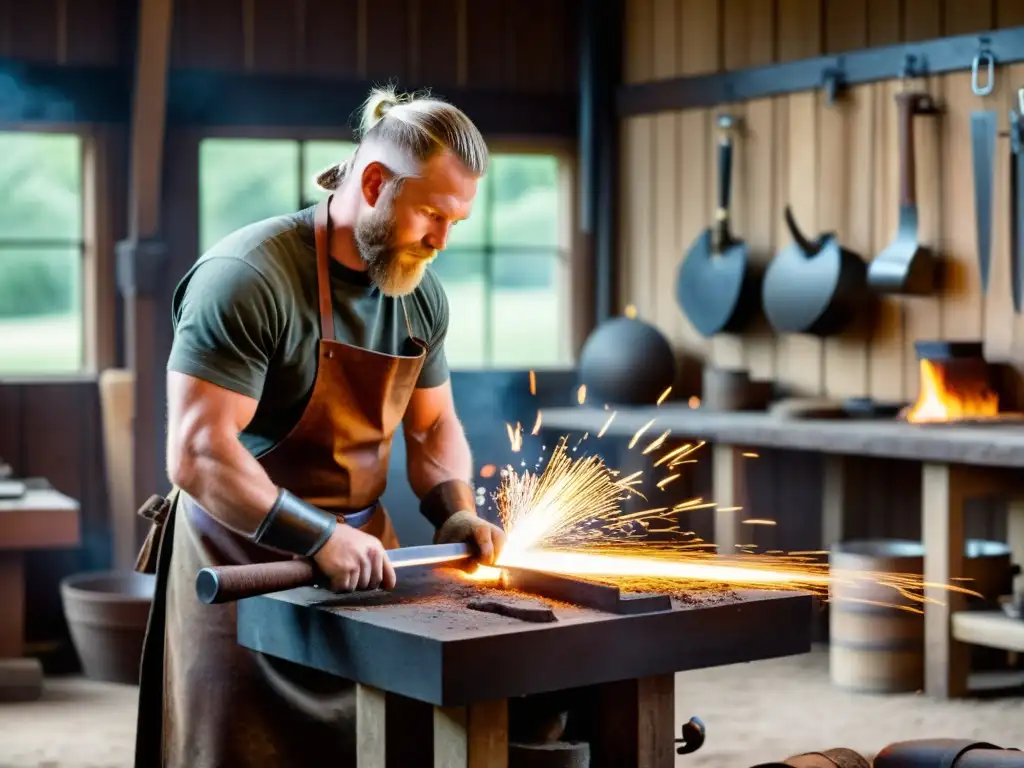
[465, 526]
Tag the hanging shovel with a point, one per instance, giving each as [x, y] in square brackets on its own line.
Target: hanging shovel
[906, 266]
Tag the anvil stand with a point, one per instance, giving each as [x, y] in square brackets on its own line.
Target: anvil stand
[628, 723]
[434, 679]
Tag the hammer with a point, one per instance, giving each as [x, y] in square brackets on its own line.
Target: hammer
[227, 583]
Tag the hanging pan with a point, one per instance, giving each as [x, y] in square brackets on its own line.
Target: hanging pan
[813, 287]
[716, 288]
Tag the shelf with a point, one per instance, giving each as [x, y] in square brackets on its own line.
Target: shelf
[992, 629]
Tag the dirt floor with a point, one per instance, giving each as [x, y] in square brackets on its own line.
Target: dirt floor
[753, 712]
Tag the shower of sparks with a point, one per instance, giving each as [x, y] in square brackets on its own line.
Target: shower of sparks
[607, 424]
[581, 394]
[639, 432]
[536, 425]
[666, 480]
[515, 436]
[750, 455]
[533, 383]
[568, 519]
[661, 398]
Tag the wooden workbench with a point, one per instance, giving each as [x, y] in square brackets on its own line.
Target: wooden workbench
[463, 665]
[42, 518]
[958, 462]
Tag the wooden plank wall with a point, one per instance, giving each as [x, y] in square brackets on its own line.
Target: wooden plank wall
[506, 45]
[435, 43]
[837, 166]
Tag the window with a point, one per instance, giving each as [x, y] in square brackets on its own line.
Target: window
[41, 254]
[505, 269]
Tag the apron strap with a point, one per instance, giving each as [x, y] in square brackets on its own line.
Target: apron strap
[408, 325]
[323, 280]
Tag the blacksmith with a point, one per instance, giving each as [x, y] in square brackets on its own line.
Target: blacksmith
[301, 343]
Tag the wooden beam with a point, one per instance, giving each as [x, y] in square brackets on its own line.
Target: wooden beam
[729, 489]
[473, 736]
[141, 256]
[634, 723]
[944, 489]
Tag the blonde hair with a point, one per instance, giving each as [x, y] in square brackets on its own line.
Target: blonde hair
[421, 125]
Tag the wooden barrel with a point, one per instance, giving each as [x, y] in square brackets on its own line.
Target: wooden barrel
[839, 757]
[875, 644]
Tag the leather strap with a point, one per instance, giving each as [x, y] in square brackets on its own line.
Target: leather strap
[445, 499]
[293, 525]
[323, 257]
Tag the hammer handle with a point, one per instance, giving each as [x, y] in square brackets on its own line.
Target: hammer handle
[227, 583]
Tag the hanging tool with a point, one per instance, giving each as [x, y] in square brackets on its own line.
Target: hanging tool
[228, 583]
[814, 287]
[905, 266]
[716, 286]
[1017, 202]
[983, 149]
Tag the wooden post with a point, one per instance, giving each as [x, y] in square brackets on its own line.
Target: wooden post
[635, 724]
[728, 486]
[475, 736]
[833, 500]
[140, 258]
[370, 727]
[944, 489]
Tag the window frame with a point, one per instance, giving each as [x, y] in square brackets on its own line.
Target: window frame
[98, 287]
[563, 149]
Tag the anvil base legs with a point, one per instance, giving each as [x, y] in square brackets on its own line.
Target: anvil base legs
[632, 725]
[474, 736]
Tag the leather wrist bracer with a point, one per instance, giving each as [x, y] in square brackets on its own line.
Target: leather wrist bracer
[294, 526]
[445, 499]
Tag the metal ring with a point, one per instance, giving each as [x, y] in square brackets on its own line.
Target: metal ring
[990, 66]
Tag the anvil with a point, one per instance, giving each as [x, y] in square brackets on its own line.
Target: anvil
[420, 642]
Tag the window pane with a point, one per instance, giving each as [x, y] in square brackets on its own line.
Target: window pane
[472, 233]
[41, 186]
[242, 181]
[40, 311]
[316, 156]
[529, 318]
[527, 206]
[462, 275]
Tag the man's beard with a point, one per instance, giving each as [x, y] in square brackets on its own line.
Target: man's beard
[396, 271]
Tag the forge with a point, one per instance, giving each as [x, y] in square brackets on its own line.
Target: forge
[424, 641]
[958, 387]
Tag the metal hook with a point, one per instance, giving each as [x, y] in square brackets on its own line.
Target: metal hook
[984, 55]
[833, 81]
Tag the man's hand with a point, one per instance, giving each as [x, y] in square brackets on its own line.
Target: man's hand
[465, 526]
[355, 560]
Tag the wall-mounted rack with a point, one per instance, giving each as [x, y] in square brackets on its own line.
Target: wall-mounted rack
[829, 73]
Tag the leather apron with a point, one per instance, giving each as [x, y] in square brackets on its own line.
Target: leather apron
[207, 702]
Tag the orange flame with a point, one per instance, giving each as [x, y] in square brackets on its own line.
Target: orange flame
[946, 397]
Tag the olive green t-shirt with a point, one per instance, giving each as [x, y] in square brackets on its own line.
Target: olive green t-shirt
[246, 317]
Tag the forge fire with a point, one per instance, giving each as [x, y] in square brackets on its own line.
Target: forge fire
[954, 390]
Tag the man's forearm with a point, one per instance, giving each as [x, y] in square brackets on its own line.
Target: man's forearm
[438, 454]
